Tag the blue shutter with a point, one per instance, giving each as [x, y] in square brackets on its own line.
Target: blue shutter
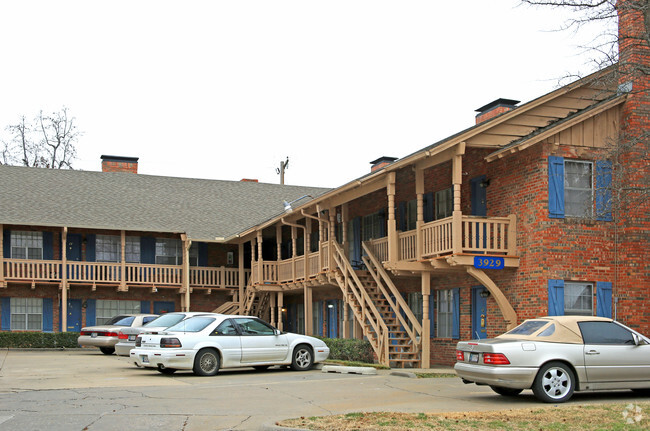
[603, 190]
[428, 207]
[382, 223]
[48, 245]
[6, 243]
[145, 307]
[604, 299]
[432, 315]
[402, 216]
[48, 315]
[356, 234]
[148, 249]
[91, 312]
[91, 239]
[455, 317]
[319, 318]
[556, 187]
[5, 310]
[203, 254]
[556, 297]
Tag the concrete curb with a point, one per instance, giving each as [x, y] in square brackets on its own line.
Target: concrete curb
[404, 374]
[349, 370]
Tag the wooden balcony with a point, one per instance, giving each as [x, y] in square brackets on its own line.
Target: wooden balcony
[110, 273]
[291, 270]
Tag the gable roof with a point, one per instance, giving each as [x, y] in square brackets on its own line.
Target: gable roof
[206, 210]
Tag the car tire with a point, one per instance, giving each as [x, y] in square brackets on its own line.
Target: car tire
[107, 350]
[261, 367]
[554, 383]
[168, 371]
[506, 392]
[206, 362]
[302, 358]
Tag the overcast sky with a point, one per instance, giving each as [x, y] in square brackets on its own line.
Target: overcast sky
[228, 89]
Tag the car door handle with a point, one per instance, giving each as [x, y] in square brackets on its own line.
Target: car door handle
[593, 352]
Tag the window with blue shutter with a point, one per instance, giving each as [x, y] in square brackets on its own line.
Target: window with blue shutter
[48, 315]
[203, 254]
[5, 309]
[604, 299]
[6, 243]
[145, 307]
[91, 240]
[148, 249]
[432, 325]
[556, 297]
[455, 320]
[603, 190]
[556, 187]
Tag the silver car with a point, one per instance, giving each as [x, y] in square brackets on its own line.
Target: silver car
[105, 336]
[127, 336]
[555, 356]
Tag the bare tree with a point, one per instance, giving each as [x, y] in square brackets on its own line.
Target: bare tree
[47, 142]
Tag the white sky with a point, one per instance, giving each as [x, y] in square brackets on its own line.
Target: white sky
[228, 89]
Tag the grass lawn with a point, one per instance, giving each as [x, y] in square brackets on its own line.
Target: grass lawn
[623, 416]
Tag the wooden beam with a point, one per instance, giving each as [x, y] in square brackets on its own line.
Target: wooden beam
[362, 189]
[425, 339]
[509, 314]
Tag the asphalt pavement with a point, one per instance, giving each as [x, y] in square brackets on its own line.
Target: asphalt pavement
[82, 389]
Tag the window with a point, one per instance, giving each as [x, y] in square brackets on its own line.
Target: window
[605, 333]
[444, 203]
[26, 245]
[106, 309]
[108, 248]
[372, 226]
[226, 327]
[578, 194]
[169, 251]
[414, 301]
[445, 313]
[411, 214]
[528, 327]
[193, 324]
[578, 299]
[250, 326]
[26, 314]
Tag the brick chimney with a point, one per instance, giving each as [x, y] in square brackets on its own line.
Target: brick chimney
[119, 164]
[381, 162]
[495, 108]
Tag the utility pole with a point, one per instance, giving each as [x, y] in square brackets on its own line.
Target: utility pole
[283, 167]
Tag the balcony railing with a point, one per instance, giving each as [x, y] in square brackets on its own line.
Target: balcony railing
[110, 272]
[292, 269]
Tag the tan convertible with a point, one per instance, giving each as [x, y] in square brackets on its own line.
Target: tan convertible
[555, 356]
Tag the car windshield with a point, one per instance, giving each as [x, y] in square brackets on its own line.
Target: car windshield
[166, 320]
[528, 327]
[193, 324]
[121, 321]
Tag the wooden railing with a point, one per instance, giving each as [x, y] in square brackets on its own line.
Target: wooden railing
[111, 272]
[292, 269]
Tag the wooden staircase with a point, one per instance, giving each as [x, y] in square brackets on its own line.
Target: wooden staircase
[379, 307]
[230, 307]
[257, 303]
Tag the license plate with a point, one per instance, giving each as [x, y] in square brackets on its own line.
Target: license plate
[473, 357]
[93, 335]
[144, 359]
[131, 337]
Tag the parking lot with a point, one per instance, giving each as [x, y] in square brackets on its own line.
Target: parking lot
[86, 390]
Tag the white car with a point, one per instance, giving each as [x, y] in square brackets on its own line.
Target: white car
[127, 336]
[204, 344]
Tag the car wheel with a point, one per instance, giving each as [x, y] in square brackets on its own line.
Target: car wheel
[107, 350]
[303, 358]
[206, 362]
[554, 383]
[261, 367]
[167, 371]
[506, 392]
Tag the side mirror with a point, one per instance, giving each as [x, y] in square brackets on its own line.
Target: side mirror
[637, 339]
[277, 332]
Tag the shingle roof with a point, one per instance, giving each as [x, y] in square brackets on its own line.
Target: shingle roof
[203, 209]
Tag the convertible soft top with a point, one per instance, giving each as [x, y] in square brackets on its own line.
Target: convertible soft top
[566, 329]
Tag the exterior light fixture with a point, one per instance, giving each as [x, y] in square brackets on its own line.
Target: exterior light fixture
[484, 294]
[287, 205]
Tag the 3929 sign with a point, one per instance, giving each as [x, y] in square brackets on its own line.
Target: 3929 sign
[485, 262]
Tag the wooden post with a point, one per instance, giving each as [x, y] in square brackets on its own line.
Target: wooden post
[330, 239]
[419, 191]
[242, 277]
[344, 326]
[272, 302]
[278, 240]
[187, 243]
[280, 313]
[457, 215]
[309, 324]
[123, 261]
[512, 235]
[260, 261]
[294, 250]
[64, 280]
[425, 339]
[393, 240]
[2, 263]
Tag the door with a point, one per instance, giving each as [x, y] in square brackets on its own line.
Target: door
[162, 307]
[73, 253]
[332, 319]
[478, 198]
[74, 315]
[259, 343]
[479, 312]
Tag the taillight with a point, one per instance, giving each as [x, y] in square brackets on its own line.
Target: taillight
[170, 342]
[122, 336]
[460, 355]
[109, 334]
[495, 359]
[138, 341]
[85, 333]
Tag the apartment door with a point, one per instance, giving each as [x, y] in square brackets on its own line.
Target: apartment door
[73, 247]
[479, 312]
[73, 321]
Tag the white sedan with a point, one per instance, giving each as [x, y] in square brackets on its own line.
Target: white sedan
[204, 344]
